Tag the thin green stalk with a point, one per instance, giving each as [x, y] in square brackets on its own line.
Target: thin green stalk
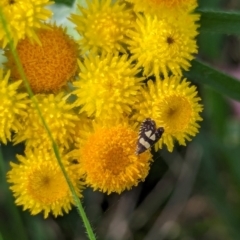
[54, 145]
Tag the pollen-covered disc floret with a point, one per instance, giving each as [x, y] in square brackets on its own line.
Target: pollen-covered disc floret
[22, 18]
[59, 117]
[163, 8]
[38, 183]
[107, 86]
[49, 66]
[103, 26]
[164, 46]
[109, 161]
[13, 105]
[174, 105]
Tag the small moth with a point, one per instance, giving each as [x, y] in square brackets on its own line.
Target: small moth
[148, 135]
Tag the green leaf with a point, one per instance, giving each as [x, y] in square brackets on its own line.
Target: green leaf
[210, 45]
[213, 4]
[65, 2]
[220, 22]
[214, 100]
[220, 82]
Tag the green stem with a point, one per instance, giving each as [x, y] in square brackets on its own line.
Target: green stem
[54, 145]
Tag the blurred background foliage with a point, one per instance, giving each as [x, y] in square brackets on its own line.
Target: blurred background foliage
[192, 193]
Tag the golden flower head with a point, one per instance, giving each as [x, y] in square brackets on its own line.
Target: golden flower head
[50, 65]
[58, 115]
[23, 17]
[103, 26]
[109, 161]
[107, 86]
[13, 106]
[163, 8]
[163, 46]
[39, 185]
[174, 105]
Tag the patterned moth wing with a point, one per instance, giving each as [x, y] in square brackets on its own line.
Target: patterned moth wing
[148, 135]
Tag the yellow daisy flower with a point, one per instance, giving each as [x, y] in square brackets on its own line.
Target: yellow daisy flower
[174, 105]
[23, 17]
[162, 7]
[107, 86]
[38, 183]
[163, 46]
[59, 116]
[82, 129]
[13, 106]
[103, 26]
[109, 161]
[50, 65]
